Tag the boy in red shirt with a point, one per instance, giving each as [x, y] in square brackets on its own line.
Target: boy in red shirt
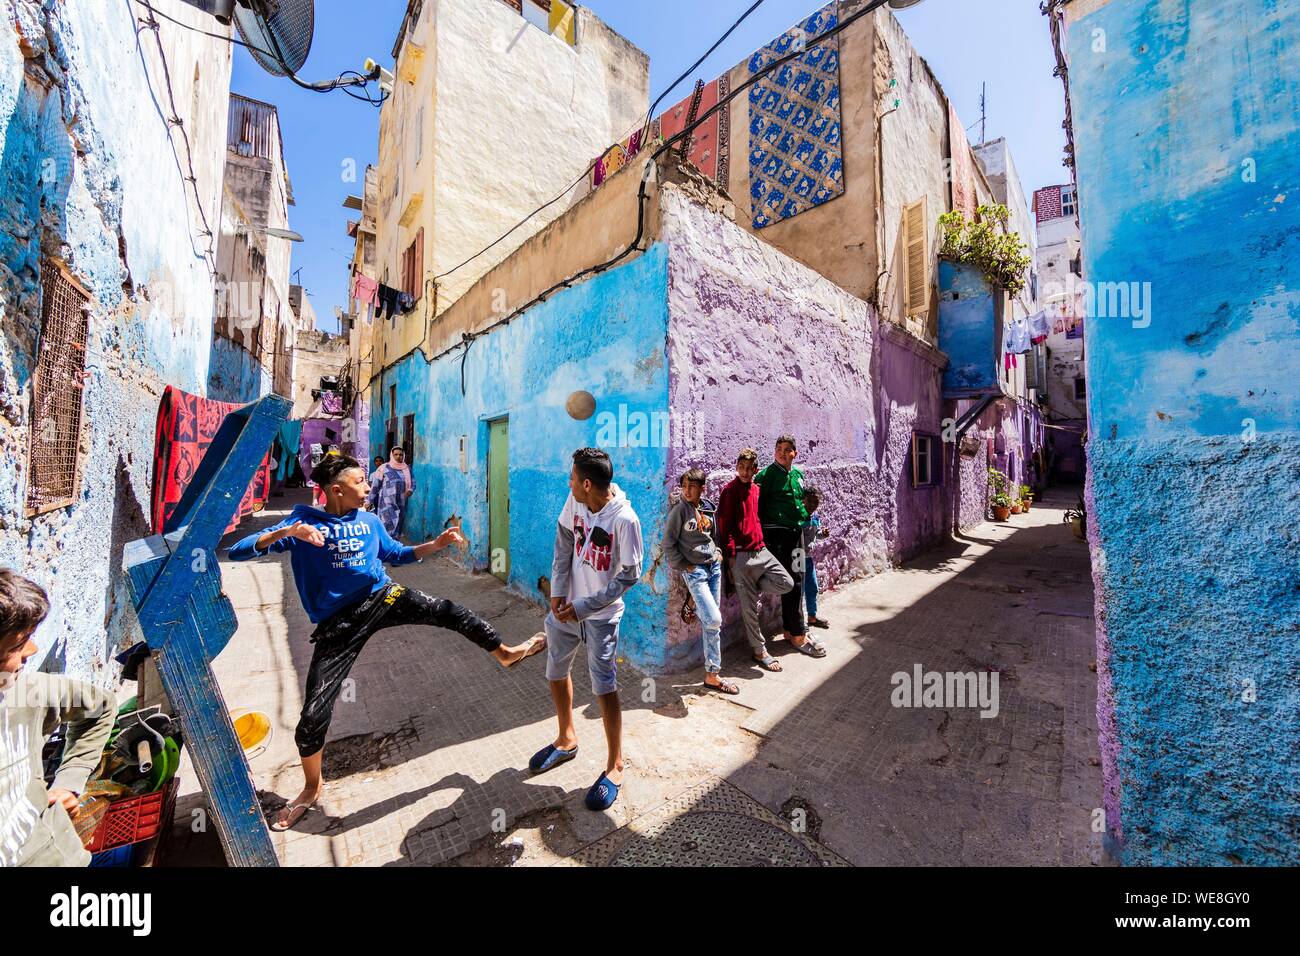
[750, 566]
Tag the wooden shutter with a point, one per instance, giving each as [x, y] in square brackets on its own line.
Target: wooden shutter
[418, 291]
[916, 251]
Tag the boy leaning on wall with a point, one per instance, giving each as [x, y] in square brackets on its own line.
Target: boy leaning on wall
[35, 823]
[690, 551]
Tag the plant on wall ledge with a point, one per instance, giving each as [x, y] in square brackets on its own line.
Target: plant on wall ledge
[1000, 256]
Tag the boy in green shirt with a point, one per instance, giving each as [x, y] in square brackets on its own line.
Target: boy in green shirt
[783, 514]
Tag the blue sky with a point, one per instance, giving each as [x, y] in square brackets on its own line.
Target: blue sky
[966, 42]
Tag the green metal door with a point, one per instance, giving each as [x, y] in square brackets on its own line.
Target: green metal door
[499, 497]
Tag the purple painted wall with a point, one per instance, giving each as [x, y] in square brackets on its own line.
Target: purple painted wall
[758, 345]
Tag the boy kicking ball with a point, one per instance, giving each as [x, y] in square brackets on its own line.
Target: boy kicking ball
[338, 556]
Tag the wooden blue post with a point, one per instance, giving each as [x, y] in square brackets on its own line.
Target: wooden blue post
[186, 620]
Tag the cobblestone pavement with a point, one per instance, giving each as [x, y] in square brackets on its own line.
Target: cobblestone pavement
[427, 759]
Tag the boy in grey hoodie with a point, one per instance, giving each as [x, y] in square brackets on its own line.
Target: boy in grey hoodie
[690, 551]
[35, 823]
[598, 555]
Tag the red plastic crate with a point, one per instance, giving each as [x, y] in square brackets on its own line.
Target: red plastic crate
[135, 820]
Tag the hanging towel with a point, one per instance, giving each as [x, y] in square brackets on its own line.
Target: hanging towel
[364, 289]
[1018, 342]
[1039, 327]
[184, 429]
[289, 435]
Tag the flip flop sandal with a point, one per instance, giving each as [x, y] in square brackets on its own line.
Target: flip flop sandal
[602, 794]
[810, 647]
[722, 687]
[819, 622]
[535, 644]
[769, 663]
[296, 812]
[550, 757]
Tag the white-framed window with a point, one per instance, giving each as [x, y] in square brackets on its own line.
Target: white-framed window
[1068, 205]
[927, 460]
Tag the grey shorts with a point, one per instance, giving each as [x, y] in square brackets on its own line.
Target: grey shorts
[562, 640]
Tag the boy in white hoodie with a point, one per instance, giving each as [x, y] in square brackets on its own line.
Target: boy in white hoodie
[598, 555]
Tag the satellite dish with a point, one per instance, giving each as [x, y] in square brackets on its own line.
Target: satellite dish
[278, 32]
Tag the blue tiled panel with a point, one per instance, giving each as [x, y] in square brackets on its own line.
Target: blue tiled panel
[795, 158]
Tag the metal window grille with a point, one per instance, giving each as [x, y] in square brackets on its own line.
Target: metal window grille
[54, 433]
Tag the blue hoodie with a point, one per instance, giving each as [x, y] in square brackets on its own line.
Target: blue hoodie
[346, 569]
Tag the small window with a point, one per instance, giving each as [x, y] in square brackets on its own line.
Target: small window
[927, 460]
[1067, 201]
[1080, 389]
[54, 433]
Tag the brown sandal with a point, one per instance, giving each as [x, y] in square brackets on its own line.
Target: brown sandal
[534, 645]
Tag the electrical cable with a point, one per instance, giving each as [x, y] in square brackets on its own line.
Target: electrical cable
[468, 337]
[325, 86]
[645, 126]
[175, 120]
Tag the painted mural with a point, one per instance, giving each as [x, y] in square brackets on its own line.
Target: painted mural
[1193, 408]
[795, 151]
[605, 337]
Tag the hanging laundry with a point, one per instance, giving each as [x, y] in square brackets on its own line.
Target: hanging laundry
[405, 302]
[331, 403]
[388, 300]
[1018, 340]
[364, 289]
[184, 429]
[289, 435]
[1039, 327]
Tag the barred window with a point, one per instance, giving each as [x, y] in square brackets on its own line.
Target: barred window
[54, 432]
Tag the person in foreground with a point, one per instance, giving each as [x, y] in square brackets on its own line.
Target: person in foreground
[598, 555]
[338, 557]
[36, 828]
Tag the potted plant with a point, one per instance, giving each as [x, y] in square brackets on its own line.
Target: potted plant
[1077, 519]
[1017, 506]
[1001, 506]
[1026, 496]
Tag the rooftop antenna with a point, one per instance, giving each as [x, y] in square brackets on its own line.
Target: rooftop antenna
[984, 116]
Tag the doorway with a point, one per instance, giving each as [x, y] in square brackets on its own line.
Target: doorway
[498, 490]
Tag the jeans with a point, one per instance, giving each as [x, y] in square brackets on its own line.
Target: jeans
[810, 587]
[334, 656]
[704, 581]
[756, 573]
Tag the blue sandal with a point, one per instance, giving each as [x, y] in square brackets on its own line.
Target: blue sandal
[549, 757]
[602, 794]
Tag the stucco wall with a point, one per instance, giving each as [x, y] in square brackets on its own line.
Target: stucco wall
[605, 336]
[234, 375]
[85, 131]
[1192, 457]
[502, 117]
[759, 345]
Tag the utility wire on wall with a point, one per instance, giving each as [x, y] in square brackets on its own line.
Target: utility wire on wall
[468, 337]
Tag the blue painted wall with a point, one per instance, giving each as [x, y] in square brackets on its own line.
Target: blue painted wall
[607, 336]
[967, 318]
[1187, 138]
[234, 375]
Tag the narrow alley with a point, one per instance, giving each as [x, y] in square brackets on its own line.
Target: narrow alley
[427, 761]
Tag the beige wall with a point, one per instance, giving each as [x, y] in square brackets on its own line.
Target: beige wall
[838, 238]
[317, 354]
[493, 118]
